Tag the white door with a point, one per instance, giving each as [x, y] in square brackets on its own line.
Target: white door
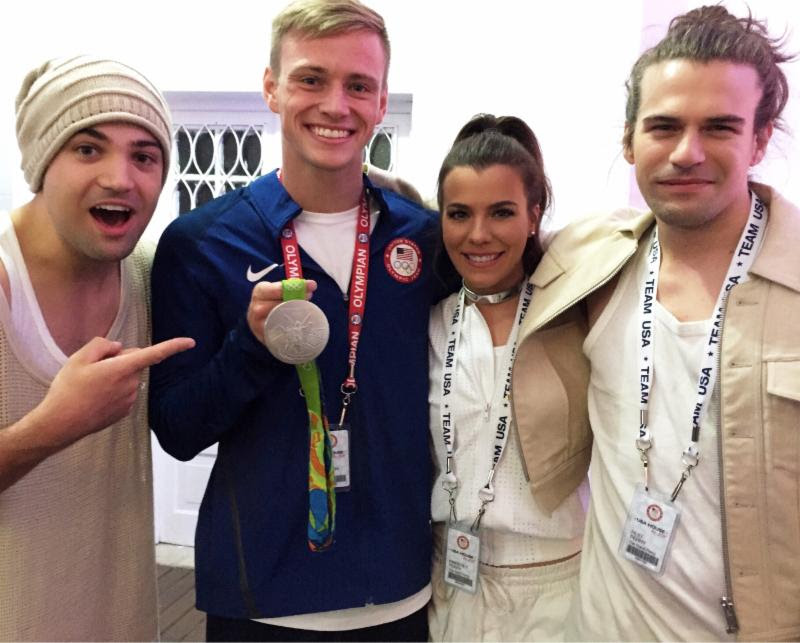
[179, 488]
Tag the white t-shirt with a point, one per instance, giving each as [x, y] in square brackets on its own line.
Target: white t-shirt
[514, 529]
[619, 600]
[329, 239]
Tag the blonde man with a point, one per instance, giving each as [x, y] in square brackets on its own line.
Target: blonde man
[287, 546]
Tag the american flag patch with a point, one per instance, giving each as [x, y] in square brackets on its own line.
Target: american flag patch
[403, 260]
[404, 253]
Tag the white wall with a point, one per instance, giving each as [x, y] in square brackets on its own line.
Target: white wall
[559, 65]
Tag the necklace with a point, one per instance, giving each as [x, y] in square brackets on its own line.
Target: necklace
[495, 297]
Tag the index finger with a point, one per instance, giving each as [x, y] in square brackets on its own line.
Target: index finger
[141, 358]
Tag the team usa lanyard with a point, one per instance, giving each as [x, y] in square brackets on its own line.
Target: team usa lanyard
[500, 412]
[741, 262]
[321, 474]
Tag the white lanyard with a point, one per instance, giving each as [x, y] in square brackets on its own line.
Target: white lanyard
[500, 417]
[741, 262]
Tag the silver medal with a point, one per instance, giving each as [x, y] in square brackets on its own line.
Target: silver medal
[296, 331]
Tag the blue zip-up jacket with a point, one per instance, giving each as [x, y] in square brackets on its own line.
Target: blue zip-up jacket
[252, 556]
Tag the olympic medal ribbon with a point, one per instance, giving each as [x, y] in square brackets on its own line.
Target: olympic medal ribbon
[321, 483]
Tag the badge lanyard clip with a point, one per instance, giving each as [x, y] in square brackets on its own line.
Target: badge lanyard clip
[450, 485]
[348, 391]
[643, 444]
[486, 494]
[691, 457]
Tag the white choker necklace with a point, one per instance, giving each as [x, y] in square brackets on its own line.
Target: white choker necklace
[495, 297]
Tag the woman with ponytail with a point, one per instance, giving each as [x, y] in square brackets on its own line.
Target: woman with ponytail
[504, 568]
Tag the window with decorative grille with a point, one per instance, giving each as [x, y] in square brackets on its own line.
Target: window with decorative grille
[225, 140]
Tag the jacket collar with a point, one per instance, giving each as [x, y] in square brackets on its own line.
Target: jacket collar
[276, 207]
[779, 257]
[581, 258]
[625, 225]
[272, 202]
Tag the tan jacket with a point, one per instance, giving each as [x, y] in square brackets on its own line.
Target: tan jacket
[759, 394]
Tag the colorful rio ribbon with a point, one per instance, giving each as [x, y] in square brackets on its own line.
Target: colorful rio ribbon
[321, 494]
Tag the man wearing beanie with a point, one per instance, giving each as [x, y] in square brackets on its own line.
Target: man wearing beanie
[291, 543]
[76, 514]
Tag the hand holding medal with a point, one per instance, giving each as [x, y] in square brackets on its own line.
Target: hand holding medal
[296, 331]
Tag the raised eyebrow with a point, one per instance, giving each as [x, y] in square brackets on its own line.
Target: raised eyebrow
[500, 204]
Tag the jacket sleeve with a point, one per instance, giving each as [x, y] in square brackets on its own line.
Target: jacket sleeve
[199, 395]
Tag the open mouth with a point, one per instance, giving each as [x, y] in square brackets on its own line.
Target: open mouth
[111, 215]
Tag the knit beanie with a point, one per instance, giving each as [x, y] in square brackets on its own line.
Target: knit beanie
[64, 96]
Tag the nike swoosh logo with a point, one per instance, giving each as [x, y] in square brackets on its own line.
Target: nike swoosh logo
[255, 276]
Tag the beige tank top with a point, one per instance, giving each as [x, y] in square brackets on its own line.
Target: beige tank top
[76, 533]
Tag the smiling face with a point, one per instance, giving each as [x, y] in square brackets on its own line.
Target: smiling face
[694, 141]
[486, 223]
[101, 190]
[330, 94]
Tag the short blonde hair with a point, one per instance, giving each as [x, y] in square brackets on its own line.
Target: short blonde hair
[319, 18]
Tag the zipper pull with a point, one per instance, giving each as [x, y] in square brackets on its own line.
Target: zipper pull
[730, 615]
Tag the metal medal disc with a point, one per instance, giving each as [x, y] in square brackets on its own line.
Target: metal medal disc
[296, 331]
